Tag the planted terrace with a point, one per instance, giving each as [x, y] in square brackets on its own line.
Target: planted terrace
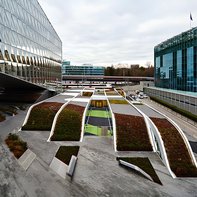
[41, 116]
[177, 153]
[131, 133]
[68, 125]
[131, 130]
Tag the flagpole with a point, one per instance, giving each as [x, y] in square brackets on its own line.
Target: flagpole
[191, 19]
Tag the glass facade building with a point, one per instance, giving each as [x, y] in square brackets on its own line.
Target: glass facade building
[85, 69]
[29, 46]
[176, 62]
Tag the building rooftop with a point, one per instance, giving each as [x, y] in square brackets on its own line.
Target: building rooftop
[178, 39]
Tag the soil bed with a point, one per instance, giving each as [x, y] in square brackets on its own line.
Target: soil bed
[41, 116]
[68, 125]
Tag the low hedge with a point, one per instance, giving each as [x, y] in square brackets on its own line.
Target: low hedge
[144, 164]
[132, 134]
[16, 145]
[176, 109]
[65, 153]
[68, 125]
[41, 116]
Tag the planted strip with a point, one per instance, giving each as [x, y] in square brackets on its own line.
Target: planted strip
[131, 133]
[41, 116]
[68, 125]
[65, 153]
[88, 94]
[178, 155]
[16, 145]
[116, 101]
[144, 164]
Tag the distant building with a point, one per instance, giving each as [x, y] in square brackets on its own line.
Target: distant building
[30, 48]
[85, 69]
[176, 62]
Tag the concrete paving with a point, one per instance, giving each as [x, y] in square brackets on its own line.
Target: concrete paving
[97, 171]
[26, 159]
[149, 112]
[124, 109]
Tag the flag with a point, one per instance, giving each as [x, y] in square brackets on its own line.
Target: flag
[191, 17]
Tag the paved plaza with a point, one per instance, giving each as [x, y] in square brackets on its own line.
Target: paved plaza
[97, 171]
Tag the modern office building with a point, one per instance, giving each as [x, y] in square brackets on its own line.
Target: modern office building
[85, 69]
[176, 71]
[30, 48]
[176, 62]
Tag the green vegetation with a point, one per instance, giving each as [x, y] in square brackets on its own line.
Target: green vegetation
[2, 118]
[113, 101]
[88, 94]
[178, 155]
[133, 70]
[16, 145]
[95, 130]
[68, 125]
[99, 113]
[144, 164]
[65, 153]
[41, 116]
[8, 110]
[176, 109]
[132, 134]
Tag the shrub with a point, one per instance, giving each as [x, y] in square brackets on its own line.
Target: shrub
[176, 109]
[65, 153]
[144, 164]
[2, 118]
[178, 155]
[131, 133]
[16, 145]
[68, 125]
[41, 116]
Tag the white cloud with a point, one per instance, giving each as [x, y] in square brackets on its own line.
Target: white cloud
[115, 31]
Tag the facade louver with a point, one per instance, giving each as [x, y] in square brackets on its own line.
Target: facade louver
[29, 46]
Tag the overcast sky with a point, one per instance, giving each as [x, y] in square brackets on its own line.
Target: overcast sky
[105, 32]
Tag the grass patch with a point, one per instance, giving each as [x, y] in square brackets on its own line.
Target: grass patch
[68, 125]
[144, 164]
[88, 94]
[132, 134]
[95, 130]
[99, 113]
[116, 101]
[16, 145]
[178, 155]
[65, 153]
[176, 109]
[41, 116]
